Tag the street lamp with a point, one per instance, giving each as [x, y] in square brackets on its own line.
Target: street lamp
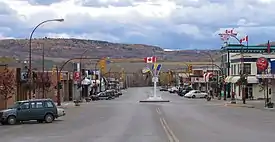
[225, 37]
[30, 48]
[80, 75]
[209, 55]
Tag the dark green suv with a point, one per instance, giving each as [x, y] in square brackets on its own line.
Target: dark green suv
[36, 109]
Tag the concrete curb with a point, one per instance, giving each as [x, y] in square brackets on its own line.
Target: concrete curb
[66, 105]
[239, 105]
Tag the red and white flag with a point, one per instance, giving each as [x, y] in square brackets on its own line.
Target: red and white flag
[152, 59]
[229, 31]
[245, 39]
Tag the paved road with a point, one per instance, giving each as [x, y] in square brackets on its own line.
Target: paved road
[126, 120]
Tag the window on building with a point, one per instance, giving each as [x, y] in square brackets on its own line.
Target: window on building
[234, 70]
[247, 68]
[231, 70]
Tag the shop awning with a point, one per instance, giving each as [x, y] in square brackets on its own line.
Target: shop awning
[235, 79]
[228, 79]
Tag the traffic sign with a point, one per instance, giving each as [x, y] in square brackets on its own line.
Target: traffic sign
[155, 79]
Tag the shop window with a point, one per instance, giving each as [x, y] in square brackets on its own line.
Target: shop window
[247, 68]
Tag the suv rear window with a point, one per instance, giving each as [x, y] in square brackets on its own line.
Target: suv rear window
[49, 104]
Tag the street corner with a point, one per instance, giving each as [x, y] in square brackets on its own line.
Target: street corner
[239, 105]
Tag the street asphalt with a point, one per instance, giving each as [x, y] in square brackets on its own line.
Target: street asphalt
[125, 119]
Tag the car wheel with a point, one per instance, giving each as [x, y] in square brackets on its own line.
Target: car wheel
[193, 96]
[49, 118]
[205, 96]
[11, 120]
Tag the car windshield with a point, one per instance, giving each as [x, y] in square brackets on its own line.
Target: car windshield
[15, 105]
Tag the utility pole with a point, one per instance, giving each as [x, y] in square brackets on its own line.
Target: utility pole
[43, 70]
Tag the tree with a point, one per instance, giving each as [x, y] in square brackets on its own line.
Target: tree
[7, 84]
[43, 82]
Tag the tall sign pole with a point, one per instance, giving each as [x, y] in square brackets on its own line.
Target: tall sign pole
[262, 65]
[155, 78]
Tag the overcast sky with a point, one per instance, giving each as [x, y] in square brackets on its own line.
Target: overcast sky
[171, 24]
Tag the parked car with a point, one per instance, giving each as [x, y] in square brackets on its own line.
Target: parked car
[60, 112]
[35, 109]
[184, 91]
[196, 94]
[173, 90]
[163, 88]
[106, 95]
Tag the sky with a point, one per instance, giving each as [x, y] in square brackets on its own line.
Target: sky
[170, 24]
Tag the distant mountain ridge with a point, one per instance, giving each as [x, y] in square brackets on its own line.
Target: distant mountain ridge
[58, 49]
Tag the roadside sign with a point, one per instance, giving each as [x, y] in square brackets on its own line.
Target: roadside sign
[155, 79]
[76, 76]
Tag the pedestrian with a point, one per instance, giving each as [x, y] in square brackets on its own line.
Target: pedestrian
[33, 96]
[211, 94]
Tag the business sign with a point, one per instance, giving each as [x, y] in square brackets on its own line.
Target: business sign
[76, 76]
[262, 64]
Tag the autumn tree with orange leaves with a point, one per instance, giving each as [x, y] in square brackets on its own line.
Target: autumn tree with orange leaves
[7, 84]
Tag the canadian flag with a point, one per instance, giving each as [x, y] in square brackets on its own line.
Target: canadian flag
[245, 39]
[229, 32]
[152, 59]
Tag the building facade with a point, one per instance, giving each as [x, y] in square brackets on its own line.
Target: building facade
[231, 64]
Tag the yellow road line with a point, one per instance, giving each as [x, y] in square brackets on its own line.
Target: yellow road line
[171, 136]
[158, 111]
[170, 139]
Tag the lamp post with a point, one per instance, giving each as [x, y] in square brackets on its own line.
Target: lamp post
[80, 75]
[43, 70]
[226, 35]
[30, 48]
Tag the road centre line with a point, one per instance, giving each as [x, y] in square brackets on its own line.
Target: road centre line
[171, 136]
[158, 111]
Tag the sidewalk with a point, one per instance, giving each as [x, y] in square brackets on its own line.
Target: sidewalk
[71, 104]
[257, 104]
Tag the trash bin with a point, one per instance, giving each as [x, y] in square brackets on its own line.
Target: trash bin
[222, 93]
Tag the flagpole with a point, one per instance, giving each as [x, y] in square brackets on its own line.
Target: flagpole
[155, 81]
[247, 45]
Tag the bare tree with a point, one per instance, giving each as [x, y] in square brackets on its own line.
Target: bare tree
[43, 82]
[7, 84]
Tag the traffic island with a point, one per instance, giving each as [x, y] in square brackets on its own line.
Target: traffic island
[154, 100]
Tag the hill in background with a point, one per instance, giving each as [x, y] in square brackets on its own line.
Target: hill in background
[60, 50]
